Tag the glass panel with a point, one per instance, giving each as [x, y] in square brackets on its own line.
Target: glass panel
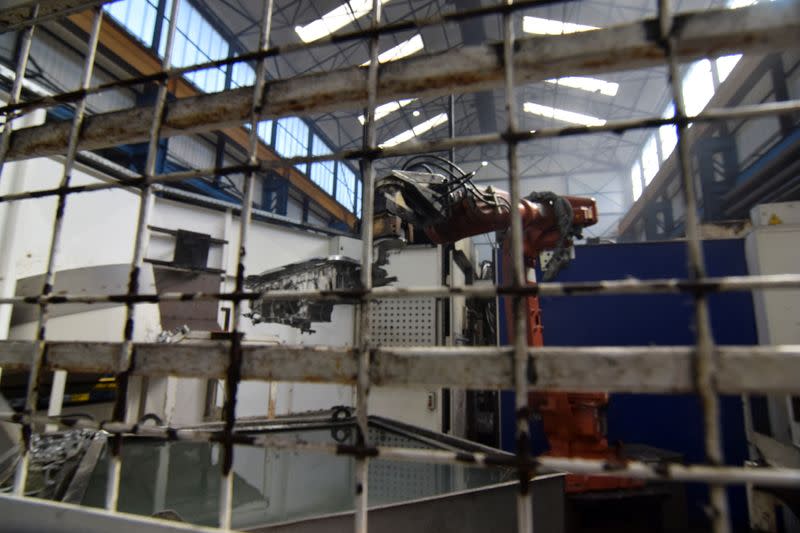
[345, 186]
[698, 87]
[193, 45]
[136, 16]
[636, 180]
[274, 485]
[242, 75]
[359, 185]
[725, 65]
[667, 135]
[265, 131]
[322, 172]
[650, 160]
[291, 139]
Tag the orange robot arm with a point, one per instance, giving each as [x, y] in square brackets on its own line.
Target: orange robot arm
[448, 207]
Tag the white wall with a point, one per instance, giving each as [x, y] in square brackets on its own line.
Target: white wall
[99, 229]
[775, 249]
[413, 266]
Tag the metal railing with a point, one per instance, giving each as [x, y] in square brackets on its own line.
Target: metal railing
[705, 369]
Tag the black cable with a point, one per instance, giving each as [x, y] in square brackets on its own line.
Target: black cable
[437, 158]
[429, 165]
[424, 166]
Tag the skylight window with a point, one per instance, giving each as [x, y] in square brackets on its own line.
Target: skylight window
[667, 134]
[404, 49]
[387, 108]
[417, 130]
[636, 180]
[540, 26]
[698, 87]
[592, 85]
[332, 21]
[650, 163]
[562, 115]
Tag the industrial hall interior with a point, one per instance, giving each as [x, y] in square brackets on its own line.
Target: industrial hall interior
[430, 266]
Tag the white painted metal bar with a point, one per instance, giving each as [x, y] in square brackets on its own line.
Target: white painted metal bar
[23, 57]
[704, 358]
[364, 341]
[234, 368]
[518, 279]
[59, 379]
[141, 241]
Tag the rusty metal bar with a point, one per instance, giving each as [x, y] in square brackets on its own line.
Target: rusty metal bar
[615, 126]
[338, 38]
[346, 296]
[59, 380]
[364, 341]
[518, 279]
[23, 57]
[656, 369]
[704, 370]
[636, 45]
[234, 369]
[156, 120]
[656, 471]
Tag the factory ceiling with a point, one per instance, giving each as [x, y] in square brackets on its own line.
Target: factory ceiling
[620, 95]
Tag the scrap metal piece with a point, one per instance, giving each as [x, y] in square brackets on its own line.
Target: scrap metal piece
[319, 274]
[54, 458]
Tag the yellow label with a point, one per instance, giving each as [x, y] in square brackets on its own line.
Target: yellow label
[774, 220]
[83, 397]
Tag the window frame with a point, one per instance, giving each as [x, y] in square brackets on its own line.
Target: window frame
[234, 48]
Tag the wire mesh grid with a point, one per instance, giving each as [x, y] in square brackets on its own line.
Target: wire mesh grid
[704, 368]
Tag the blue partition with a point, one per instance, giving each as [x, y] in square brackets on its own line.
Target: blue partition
[672, 422]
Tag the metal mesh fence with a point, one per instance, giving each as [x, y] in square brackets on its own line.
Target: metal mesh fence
[704, 368]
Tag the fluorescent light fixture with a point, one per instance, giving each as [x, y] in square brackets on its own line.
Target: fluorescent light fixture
[540, 26]
[592, 85]
[562, 115]
[389, 107]
[417, 130]
[404, 49]
[331, 21]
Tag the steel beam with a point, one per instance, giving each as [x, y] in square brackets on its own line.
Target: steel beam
[757, 28]
[664, 369]
[18, 16]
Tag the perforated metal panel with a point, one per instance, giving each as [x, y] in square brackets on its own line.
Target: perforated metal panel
[406, 322]
[395, 480]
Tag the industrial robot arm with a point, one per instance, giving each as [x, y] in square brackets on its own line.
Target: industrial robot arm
[436, 196]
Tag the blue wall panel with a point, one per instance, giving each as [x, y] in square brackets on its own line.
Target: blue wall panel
[672, 422]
